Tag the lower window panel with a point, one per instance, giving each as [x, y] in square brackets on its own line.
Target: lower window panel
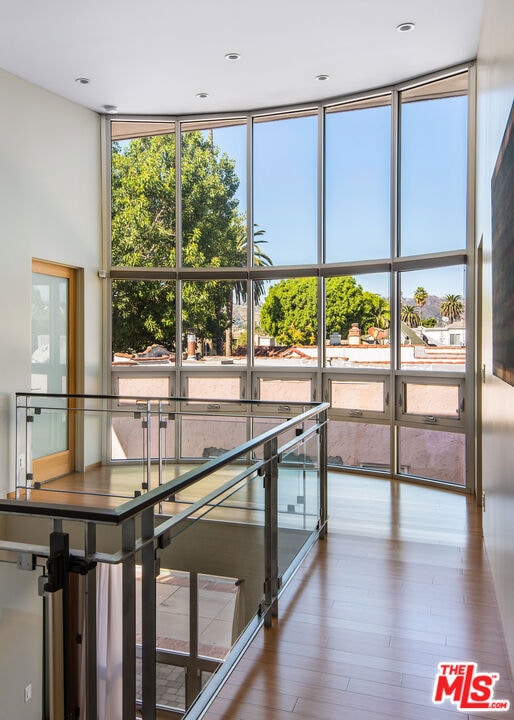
[433, 454]
[359, 445]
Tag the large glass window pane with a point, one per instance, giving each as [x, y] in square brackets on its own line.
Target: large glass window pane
[143, 194]
[433, 167]
[433, 319]
[357, 321]
[358, 180]
[359, 445]
[143, 321]
[433, 454]
[286, 323]
[213, 172]
[213, 320]
[285, 188]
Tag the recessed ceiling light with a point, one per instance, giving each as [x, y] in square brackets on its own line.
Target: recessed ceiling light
[322, 77]
[82, 80]
[202, 95]
[110, 109]
[232, 56]
[405, 27]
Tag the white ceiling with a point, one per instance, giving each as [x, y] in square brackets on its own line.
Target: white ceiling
[154, 56]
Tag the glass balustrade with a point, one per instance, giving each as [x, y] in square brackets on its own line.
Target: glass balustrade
[153, 564]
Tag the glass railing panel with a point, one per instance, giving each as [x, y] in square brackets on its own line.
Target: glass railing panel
[208, 436]
[85, 480]
[219, 615]
[222, 547]
[50, 430]
[261, 425]
[172, 588]
[172, 616]
[298, 499]
[170, 682]
[141, 444]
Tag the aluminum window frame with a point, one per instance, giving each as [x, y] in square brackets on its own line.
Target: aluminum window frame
[393, 264]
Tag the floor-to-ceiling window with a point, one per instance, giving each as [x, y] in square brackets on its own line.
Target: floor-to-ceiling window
[316, 252]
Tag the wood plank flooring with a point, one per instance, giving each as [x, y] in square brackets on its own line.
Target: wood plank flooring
[401, 583]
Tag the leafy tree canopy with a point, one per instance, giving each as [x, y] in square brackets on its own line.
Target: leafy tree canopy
[289, 310]
[144, 235]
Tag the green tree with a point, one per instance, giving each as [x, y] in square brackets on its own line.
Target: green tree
[409, 315]
[289, 312]
[143, 314]
[452, 307]
[379, 311]
[420, 298]
[144, 235]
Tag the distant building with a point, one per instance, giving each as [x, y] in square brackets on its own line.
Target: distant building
[453, 334]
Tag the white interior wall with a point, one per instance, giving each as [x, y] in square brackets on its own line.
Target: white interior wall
[21, 640]
[50, 209]
[495, 79]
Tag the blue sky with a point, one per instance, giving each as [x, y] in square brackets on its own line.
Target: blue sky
[357, 179]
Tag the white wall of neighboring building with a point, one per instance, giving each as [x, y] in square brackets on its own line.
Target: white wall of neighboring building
[495, 95]
[50, 194]
[452, 335]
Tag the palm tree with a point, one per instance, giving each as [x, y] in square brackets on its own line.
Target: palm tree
[240, 288]
[409, 315]
[260, 260]
[452, 307]
[420, 297]
[379, 311]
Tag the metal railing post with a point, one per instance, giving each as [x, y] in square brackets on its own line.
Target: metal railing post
[128, 539]
[271, 529]
[323, 474]
[193, 679]
[90, 627]
[148, 615]
[29, 430]
[148, 444]
[162, 425]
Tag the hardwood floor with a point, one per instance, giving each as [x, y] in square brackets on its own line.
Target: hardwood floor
[401, 583]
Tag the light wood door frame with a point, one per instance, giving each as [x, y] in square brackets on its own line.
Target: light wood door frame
[63, 462]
